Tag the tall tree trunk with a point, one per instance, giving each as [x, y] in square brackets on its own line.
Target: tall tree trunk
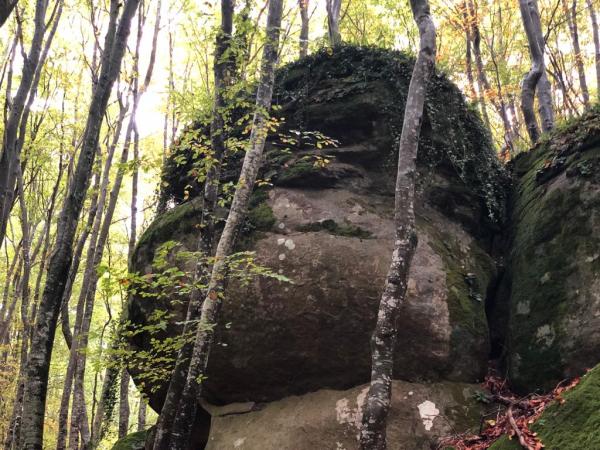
[531, 82]
[596, 35]
[223, 73]
[333, 21]
[43, 338]
[211, 306]
[383, 342]
[482, 81]
[303, 5]
[8, 159]
[571, 18]
[468, 48]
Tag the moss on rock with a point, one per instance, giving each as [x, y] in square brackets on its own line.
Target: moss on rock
[133, 441]
[569, 425]
[554, 263]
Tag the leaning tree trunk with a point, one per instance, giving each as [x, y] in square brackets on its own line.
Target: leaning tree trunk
[333, 22]
[383, 342]
[211, 306]
[596, 35]
[38, 364]
[303, 5]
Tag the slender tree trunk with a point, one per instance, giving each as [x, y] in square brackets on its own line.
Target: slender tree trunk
[596, 35]
[10, 152]
[39, 360]
[482, 81]
[212, 303]
[223, 72]
[124, 404]
[141, 422]
[571, 18]
[303, 5]
[383, 342]
[333, 21]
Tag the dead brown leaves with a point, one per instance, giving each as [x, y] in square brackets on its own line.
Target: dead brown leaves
[514, 420]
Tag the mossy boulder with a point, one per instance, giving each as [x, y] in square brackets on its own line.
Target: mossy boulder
[133, 441]
[329, 228]
[554, 327]
[569, 425]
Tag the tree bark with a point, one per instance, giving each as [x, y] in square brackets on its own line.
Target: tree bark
[211, 306]
[596, 36]
[305, 20]
[333, 22]
[124, 404]
[571, 18]
[39, 360]
[223, 73]
[383, 342]
[9, 158]
[141, 422]
[533, 77]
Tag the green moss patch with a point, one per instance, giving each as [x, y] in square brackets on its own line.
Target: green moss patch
[572, 425]
[332, 227]
[552, 235]
[133, 441]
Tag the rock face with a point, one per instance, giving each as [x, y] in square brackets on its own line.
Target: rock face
[327, 225]
[554, 328]
[329, 419]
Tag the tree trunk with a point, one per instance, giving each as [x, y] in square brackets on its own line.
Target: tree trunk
[303, 4]
[141, 422]
[124, 404]
[8, 160]
[333, 22]
[533, 77]
[596, 35]
[482, 81]
[211, 306]
[38, 364]
[383, 342]
[223, 72]
[574, 31]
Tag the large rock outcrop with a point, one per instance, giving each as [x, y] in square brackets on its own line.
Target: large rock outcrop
[554, 267]
[326, 419]
[328, 227]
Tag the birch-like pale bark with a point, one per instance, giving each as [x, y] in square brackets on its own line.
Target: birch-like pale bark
[141, 420]
[530, 81]
[124, 404]
[596, 35]
[383, 341]
[304, 30]
[38, 364]
[211, 306]
[333, 21]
